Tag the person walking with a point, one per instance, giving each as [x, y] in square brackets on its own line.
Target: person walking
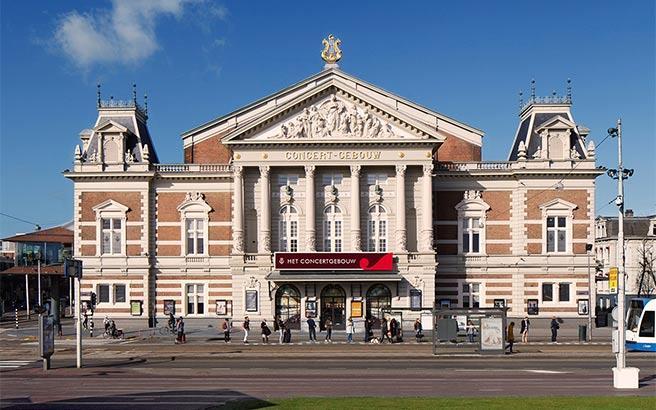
[367, 329]
[524, 329]
[265, 331]
[350, 329]
[179, 327]
[392, 330]
[510, 337]
[247, 326]
[312, 330]
[329, 330]
[554, 329]
[277, 327]
[226, 330]
[384, 330]
[418, 330]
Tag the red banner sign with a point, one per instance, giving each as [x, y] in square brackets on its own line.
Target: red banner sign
[366, 261]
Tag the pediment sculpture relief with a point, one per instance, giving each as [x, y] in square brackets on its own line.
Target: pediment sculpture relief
[334, 119]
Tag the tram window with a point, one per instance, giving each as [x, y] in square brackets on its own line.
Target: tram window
[647, 324]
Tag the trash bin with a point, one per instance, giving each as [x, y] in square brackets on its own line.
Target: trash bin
[583, 333]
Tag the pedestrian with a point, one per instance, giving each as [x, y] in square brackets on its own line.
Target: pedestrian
[350, 329]
[419, 330]
[554, 329]
[85, 322]
[471, 331]
[524, 329]
[106, 324]
[510, 337]
[281, 328]
[384, 330]
[392, 330]
[265, 331]
[247, 327]
[179, 327]
[312, 329]
[226, 330]
[329, 330]
[60, 331]
[276, 328]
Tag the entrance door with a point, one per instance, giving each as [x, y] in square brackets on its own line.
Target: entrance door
[333, 306]
[379, 297]
[288, 306]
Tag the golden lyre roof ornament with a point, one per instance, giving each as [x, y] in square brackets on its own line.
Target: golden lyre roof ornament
[331, 52]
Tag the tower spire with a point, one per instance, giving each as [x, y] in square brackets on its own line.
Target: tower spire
[98, 94]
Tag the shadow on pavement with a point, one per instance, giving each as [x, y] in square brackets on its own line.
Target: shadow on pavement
[183, 399]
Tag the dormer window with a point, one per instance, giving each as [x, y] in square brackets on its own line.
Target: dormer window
[652, 229]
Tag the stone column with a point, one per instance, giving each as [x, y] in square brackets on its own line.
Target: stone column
[401, 230]
[426, 234]
[310, 221]
[264, 241]
[238, 211]
[356, 238]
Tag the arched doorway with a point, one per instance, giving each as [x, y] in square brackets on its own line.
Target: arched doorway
[288, 306]
[378, 297]
[333, 306]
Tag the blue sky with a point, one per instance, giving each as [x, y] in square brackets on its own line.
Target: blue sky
[198, 60]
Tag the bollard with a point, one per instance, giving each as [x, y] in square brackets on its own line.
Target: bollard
[16, 316]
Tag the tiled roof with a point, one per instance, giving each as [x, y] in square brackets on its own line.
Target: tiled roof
[52, 270]
[57, 234]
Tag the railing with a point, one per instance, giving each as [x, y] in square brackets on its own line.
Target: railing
[181, 168]
[468, 166]
[250, 258]
[553, 99]
[195, 259]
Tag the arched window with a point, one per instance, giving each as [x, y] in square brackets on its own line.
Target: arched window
[332, 229]
[288, 306]
[379, 298]
[288, 234]
[377, 229]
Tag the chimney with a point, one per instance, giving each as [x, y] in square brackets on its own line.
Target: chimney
[628, 213]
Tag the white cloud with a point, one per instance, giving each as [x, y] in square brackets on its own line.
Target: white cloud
[124, 34]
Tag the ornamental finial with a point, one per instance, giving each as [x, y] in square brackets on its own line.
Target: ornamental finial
[331, 52]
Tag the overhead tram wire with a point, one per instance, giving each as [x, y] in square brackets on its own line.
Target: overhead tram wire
[38, 227]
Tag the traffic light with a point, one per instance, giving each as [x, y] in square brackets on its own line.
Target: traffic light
[93, 300]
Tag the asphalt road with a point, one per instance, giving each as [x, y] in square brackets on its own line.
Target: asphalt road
[201, 382]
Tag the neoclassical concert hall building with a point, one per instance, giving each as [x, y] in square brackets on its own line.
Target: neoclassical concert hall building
[334, 198]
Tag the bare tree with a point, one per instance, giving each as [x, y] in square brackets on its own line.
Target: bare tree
[646, 281]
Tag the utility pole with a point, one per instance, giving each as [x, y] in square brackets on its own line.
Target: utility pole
[38, 276]
[591, 300]
[78, 323]
[623, 377]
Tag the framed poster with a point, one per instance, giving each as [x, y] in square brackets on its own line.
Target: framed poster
[532, 307]
[135, 307]
[356, 308]
[415, 299]
[311, 307]
[221, 307]
[583, 306]
[492, 334]
[169, 307]
[499, 303]
[251, 301]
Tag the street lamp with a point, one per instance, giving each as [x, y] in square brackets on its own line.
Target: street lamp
[623, 377]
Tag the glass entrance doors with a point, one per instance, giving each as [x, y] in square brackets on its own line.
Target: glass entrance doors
[333, 306]
[288, 306]
[379, 297]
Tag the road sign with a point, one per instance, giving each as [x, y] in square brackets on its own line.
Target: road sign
[612, 279]
[72, 268]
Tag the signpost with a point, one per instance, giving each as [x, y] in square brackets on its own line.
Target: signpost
[73, 269]
[46, 338]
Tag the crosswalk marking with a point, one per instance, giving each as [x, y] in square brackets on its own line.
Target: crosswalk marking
[14, 364]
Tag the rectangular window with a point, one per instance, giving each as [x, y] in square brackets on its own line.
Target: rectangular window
[471, 295]
[195, 236]
[195, 299]
[563, 292]
[103, 293]
[557, 234]
[471, 235]
[547, 292]
[119, 293]
[329, 179]
[376, 178]
[111, 236]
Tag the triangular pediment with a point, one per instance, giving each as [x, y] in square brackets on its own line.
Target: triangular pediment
[332, 113]
[110, 126]
[558, 123]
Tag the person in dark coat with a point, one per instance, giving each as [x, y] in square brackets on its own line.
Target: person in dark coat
[226, 330]
[526, 324]
[384, 330]
[312, 329]
[510, 337]
[554, 329]
[265, 331]
[392, 330]
[328, 324]
[367, 329]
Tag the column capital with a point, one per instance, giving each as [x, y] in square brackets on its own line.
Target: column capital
[428, 169]
[238, 170]
[265, 170]
[355, 170]
[309, 171]
[400, 170]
